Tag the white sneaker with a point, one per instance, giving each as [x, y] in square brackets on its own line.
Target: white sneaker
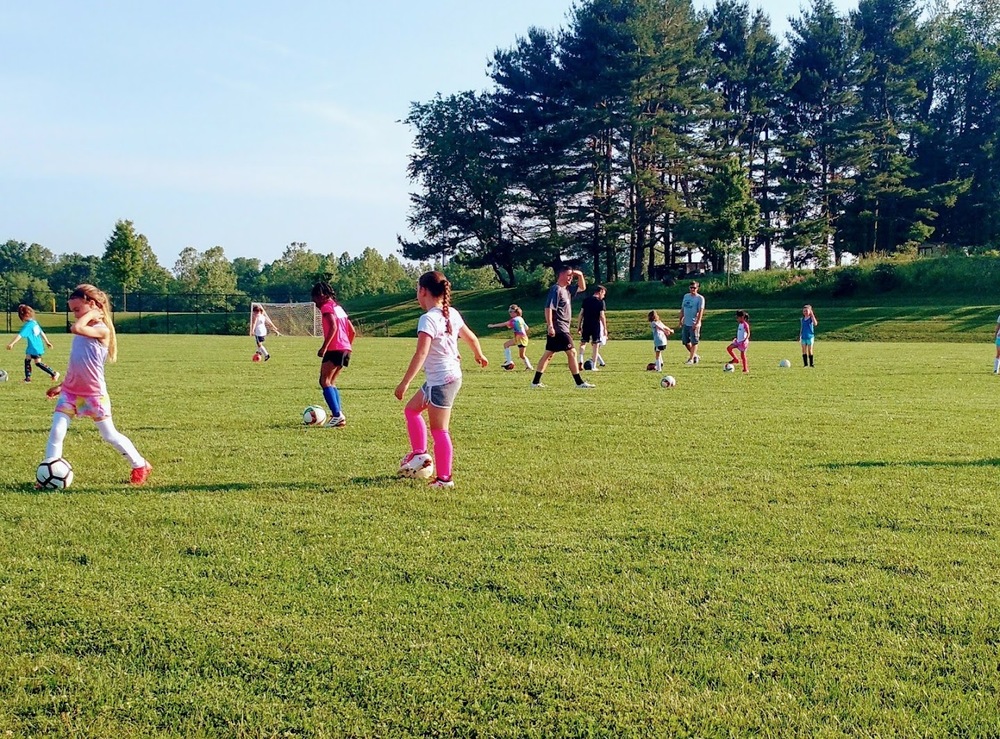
[415, 465]
[696, 359]
[585, 386]
[690, 361]
[336, 422]
[55, 377]
[537, 384]
[437, 482]
[527, 366]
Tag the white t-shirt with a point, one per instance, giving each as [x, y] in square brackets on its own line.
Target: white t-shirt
[260, 325]
[442, 365]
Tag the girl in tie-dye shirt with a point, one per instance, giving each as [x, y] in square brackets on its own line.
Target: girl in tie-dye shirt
[84, 392]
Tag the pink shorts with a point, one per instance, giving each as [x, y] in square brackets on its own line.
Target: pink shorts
[82, 406]
[741, 345]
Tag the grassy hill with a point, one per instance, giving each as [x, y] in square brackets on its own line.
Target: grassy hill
[942, 299]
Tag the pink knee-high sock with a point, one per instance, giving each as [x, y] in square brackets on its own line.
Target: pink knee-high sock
[444, 452]
[732, 354]
[743, 358]
[417, 430]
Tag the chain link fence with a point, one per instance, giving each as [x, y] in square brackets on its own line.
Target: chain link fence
[157, 313]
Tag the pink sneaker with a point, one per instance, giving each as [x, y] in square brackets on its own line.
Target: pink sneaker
[140, 474]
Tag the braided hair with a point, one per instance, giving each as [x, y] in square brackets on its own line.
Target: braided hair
[100, 299]
[323, 290]
[437, 285]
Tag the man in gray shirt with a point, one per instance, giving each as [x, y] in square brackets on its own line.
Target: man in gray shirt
[558, 315]
[692, 310]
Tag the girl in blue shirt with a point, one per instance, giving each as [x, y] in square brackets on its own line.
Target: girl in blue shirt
[807, 335]
[32, 333]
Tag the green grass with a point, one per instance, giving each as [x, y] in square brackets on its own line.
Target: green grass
[796, 552]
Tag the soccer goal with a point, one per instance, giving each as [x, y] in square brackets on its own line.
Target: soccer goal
[295, 319]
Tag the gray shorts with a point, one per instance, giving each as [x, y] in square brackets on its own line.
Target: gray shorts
[689, 335]
[441, 396]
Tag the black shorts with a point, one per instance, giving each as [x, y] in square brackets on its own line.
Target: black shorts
[591, 334]
[337, 357]
[561, 342]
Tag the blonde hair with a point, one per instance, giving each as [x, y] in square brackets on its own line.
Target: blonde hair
[100, 299]
[515, 309]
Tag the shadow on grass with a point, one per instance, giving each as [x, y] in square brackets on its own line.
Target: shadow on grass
[377, 480]
[222, 487]
[871, 464]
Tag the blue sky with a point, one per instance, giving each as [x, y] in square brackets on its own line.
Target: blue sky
[247, 125]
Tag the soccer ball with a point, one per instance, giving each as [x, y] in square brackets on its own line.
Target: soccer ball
[651, 367]
[785, 363]
[4, 376]
[313, 416]
[697, 359]
[668, 381]
[588, 365]
[728, 368]
[255, 358]
[508, 366]
[54, 474]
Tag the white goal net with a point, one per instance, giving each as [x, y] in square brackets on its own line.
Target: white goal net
[295, 319]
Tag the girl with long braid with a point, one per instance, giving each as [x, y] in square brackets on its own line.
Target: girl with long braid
[438, 331]
[83, 392]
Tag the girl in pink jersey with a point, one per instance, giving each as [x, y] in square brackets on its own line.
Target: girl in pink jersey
[438, 332]
[338, 335]
[83, 392]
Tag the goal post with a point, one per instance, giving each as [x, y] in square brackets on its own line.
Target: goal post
[294, 319]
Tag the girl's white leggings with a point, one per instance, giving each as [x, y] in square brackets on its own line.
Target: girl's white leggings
[60, 425]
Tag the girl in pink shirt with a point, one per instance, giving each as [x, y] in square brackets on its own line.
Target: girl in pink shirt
[338, 335]
[83, 391]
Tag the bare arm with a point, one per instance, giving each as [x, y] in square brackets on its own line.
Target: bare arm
[419, 357]
[329, 333]
[581, 281]
[82, 326]
[548, 321]
[46, 340]
[472, 340]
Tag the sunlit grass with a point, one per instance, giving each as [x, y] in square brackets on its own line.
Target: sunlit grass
[796, 552]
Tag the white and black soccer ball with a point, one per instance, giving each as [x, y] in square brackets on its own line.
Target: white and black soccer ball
[508, 366]
[4, 376]
[785, 363]
[728, 367]
[313, 416]
[668, 381]
[54, 474]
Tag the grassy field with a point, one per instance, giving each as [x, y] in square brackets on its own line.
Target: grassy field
[791, 553]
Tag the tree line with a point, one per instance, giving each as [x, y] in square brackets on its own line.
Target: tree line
[645, 133]
[206, 280]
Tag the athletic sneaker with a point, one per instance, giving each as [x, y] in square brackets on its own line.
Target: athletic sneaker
[690, 361]
[413, 462]
[267, 357]
[139, 474]
[55, 377]
[585, 386]
[537, 384]
[336, 422]
[697, 359]
[438, 482]
[528, 366]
